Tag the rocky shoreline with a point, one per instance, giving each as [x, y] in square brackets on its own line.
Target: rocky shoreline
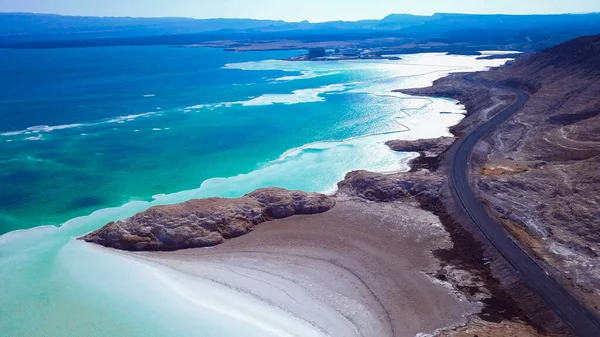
[208, 222]
[463, 265]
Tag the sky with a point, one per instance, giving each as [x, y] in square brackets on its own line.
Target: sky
[294, 10]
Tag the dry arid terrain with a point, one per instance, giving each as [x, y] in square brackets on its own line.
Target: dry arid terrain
[539, 171]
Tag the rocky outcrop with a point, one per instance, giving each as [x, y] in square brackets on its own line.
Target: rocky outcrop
[431, 146]
[391, 187]
[429, 151]
[205, 222]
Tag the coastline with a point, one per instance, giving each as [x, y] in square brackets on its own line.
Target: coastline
[332, 271]
[453, 270]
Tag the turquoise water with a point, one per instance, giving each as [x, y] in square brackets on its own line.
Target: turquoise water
[93, 135]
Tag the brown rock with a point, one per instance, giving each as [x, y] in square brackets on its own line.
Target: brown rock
[391, 187]
[430, 147]
[430, 151]
[205, 222]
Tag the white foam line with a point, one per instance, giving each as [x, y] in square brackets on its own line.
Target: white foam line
[128, 118]
[394, 119]
[294, 151]
[41, 128]
[48, 129]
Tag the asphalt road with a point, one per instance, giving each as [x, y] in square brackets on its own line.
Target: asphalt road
[573, 313]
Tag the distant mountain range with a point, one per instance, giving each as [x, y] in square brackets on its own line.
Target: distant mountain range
[26, 30]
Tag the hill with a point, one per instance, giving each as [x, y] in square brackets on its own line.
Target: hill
[537, 172]
[525, 32]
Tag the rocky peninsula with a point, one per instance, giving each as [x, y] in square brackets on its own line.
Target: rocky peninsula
[205, 222]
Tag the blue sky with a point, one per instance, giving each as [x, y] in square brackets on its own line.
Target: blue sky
[293, 10]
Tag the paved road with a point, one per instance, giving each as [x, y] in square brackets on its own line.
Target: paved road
[583, 322]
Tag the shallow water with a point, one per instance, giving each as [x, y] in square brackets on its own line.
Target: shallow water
[114, 131]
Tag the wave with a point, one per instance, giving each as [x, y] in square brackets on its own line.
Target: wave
[128, 118]
[47, 129]
[41, 128]
[212, 106]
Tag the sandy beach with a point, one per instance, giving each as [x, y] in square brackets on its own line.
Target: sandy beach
[360, 269]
